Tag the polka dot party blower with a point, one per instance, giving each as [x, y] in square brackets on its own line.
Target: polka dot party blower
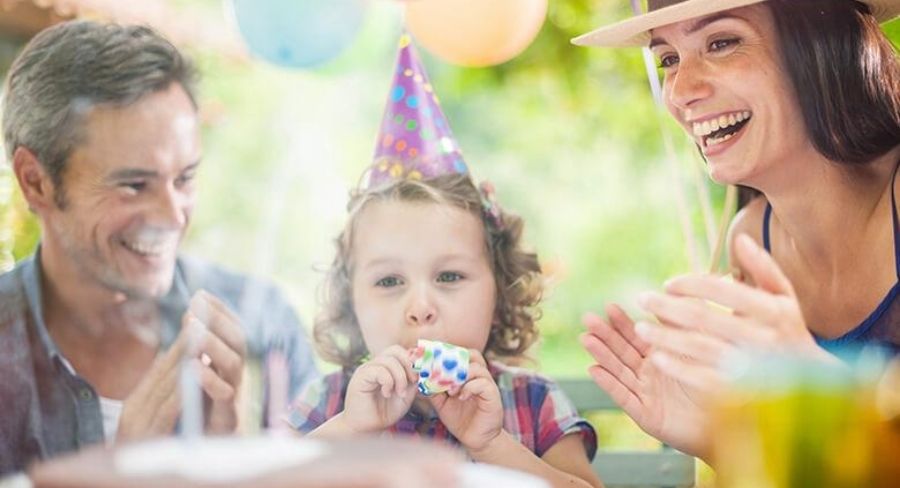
[440, 366]
[415, 141]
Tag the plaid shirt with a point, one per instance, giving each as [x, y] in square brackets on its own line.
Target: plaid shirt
[535, 411]
[46, 409]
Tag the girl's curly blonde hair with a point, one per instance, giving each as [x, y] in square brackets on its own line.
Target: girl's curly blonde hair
[517, 273]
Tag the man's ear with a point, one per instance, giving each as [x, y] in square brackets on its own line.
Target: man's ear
[35, 183]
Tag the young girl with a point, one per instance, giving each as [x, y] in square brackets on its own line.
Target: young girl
[427, 260]
[425, 255]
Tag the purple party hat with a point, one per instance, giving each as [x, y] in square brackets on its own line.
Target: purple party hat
[415, 141]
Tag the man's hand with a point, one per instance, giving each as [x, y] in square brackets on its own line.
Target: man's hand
[222, 351]
[211, 335]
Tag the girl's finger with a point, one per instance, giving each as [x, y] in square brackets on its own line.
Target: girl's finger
[376, 377]
[398, 372]
[479, 387]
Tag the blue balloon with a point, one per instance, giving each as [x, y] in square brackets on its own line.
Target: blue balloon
[298, 33]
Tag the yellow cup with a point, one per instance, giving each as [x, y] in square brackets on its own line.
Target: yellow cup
[793, 423]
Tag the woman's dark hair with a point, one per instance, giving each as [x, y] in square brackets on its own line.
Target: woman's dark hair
[845, 74]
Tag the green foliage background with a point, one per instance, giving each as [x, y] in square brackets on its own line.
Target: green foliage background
[570, 136]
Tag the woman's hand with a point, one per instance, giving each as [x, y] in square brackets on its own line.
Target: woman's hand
[664, 407]
[380, 392]
[707, 319]
[473, 412]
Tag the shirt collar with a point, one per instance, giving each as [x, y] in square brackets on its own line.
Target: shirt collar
[32, 276]
[172, 306]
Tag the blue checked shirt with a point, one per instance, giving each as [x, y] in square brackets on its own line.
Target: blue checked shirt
[47, 410]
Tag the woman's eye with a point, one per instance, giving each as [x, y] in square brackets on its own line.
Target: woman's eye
[388, 282]
[449, 277]
[722, 44]
[667, 61]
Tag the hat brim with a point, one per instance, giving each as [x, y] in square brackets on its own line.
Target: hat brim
[635, 32]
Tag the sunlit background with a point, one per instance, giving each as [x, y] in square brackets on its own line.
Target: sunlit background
[570, 136]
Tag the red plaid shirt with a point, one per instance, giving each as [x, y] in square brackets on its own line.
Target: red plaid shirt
[535, 411]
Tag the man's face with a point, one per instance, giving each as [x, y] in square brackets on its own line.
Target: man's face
[129, 192]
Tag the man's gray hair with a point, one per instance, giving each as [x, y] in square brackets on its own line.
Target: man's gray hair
[69, 68]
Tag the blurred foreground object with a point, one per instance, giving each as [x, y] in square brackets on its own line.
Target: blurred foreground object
[274, 462]
[789, 422]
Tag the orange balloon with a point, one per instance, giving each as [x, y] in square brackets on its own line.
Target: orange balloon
[475, 32]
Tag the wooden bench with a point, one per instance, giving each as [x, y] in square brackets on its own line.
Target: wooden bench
[665, 468]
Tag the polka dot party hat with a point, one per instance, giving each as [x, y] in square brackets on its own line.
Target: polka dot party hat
[415, 141]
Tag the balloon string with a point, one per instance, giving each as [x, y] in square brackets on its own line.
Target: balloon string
[671, 159]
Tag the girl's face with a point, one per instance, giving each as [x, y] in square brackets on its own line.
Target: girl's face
[725, 83]
[421, 271]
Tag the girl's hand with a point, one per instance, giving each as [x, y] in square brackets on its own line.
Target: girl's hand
[696, 338]
[380, 392]
[473, 412]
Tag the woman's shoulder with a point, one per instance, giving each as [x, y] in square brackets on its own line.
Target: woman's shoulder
[749, 221]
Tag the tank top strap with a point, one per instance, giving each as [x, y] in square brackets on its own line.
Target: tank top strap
[767, 216]
[896, 223]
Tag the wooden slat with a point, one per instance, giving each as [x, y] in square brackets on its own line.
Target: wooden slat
[586, 395]
[667, 468]
[629, 469]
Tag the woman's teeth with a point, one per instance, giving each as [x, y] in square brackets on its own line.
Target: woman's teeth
[718, 130]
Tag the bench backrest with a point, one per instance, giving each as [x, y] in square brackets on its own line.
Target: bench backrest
[658, 469]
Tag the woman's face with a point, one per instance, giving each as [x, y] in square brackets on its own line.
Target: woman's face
[725, 83]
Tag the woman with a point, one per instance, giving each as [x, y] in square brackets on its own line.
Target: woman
[800, 100]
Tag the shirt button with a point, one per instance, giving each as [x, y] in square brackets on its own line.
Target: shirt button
[86, 394]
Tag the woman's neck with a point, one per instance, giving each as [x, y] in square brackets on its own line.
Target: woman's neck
[825, 210]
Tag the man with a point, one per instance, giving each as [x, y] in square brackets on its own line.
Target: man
[100, 125]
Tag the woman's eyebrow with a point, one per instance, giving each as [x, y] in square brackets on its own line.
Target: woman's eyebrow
[699, 24]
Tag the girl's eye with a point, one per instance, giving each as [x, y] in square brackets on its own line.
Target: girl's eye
[722, 44]
[667, 61]
[388, 282]
[449, 277]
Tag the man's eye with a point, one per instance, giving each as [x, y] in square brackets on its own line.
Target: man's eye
[388, 282]
[449, 277]
[134, 186]
[184, 179]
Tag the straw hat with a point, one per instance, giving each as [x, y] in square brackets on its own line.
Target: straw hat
[635, 32]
